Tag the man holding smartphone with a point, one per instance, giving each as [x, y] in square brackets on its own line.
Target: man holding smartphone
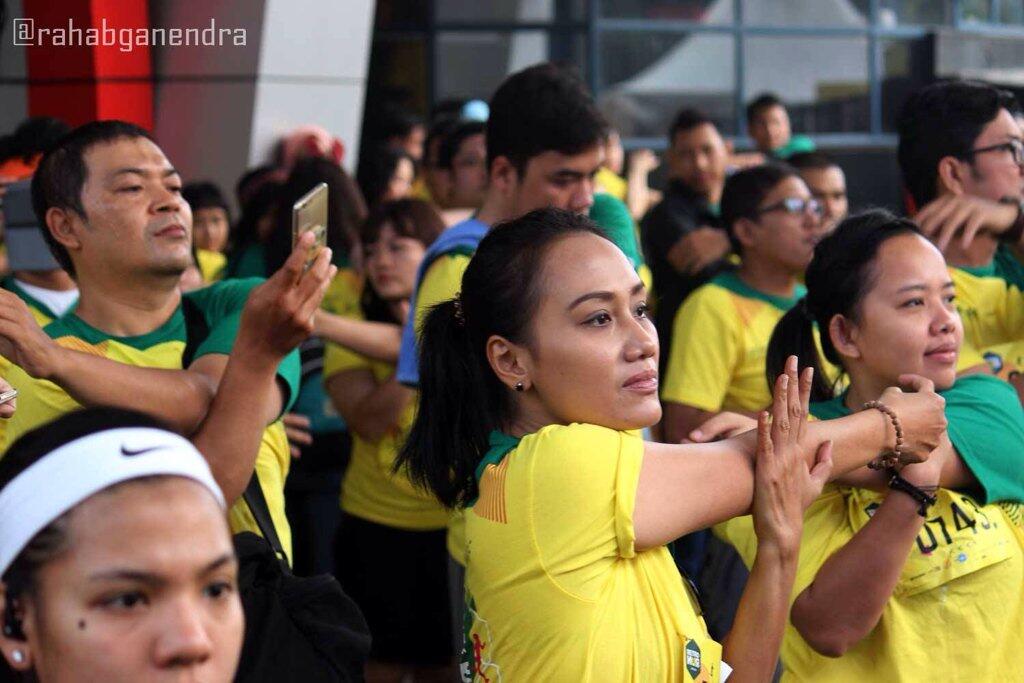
[113, 216]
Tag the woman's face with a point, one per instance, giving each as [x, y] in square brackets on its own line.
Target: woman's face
[143, 592]
[908, 322]
[210, 228]
[400, 184]
[391, 263]
[593, 355]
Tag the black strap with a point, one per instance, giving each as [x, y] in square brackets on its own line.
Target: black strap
[196, 330]
[257, 503]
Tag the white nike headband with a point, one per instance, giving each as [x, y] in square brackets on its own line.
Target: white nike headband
[66, 476]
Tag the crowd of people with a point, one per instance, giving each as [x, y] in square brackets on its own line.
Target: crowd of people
[539, 420]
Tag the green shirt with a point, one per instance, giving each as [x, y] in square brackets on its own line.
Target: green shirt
[796, 145]
[612, 216]
[986, 426]
[1008, 267]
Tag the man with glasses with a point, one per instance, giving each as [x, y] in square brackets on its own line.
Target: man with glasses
[962, 157]
[721, 333]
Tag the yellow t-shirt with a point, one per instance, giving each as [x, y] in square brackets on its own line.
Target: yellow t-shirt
[993, 316]
[555, 590]
[441, 282]
[343, 294]
[957, 612]
[719, 346]
[611, 183]
[40, 401]
[371, 490]
[211, 265]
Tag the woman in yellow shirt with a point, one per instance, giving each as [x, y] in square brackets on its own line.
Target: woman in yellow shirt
[390, 548]
[891, 587]
[533, 383]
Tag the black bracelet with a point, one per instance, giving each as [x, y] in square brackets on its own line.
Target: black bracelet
[924, 499]
[1013, 235]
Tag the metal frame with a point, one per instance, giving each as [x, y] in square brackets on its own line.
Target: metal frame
[595, 24]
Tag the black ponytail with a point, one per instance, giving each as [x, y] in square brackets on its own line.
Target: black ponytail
[461, 399]
[838, 278]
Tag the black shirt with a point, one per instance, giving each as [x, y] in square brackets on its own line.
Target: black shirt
[680, 212]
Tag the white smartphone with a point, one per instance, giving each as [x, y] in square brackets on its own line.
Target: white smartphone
[309, 214]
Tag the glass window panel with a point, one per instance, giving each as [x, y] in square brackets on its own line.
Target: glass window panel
[906, 66]
[508, 11]
[822, 80]
[647, 77]
[1011, 12]
[472, 64]
[974, 11]
[893, 12]
[841, 13]
[701, 11]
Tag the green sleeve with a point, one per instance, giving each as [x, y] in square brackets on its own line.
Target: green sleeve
[986, 426]
[222, 305]
[612, 216]
[1008, 267]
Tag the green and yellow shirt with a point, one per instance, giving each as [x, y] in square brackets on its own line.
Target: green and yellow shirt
[40, 401]
[957, 612]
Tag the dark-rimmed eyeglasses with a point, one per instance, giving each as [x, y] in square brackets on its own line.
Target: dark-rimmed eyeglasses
[1014, 146]
[794, 205]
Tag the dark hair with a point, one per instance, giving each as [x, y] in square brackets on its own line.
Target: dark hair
[261, 200]
[838, 278]
[453, 141]
[413, 218]
[396, 122]
[816, 161]
[941, 120]
[33, 136]
[345, 208]
[461, 399]
[376, 167]
[540, 109]
[205, 195]
[438, 131]
[62, 172]
[685, 121]
[745, 190]
[760, 103]
[31, 447]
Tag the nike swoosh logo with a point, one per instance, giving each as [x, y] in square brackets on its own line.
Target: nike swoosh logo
[128, 453]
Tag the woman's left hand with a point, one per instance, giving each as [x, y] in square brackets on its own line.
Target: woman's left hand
[784, 484]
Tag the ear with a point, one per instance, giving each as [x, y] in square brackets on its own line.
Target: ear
[509, 361]
[504, 176]
[843, 334]
[64, 226]
[9, 645]
[744, 230]
[950, 177]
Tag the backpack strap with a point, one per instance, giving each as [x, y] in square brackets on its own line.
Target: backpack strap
[257, 503]
[196, 330]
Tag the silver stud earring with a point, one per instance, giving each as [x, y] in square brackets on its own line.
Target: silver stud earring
[18, 656]
[520, 386]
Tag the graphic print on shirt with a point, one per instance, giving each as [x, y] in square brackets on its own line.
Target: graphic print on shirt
[476, 663]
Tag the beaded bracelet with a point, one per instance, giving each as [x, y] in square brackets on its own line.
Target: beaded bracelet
[892, 458]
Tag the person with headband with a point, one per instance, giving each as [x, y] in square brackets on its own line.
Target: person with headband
[535, 381]
[100, 584]
[915, 574]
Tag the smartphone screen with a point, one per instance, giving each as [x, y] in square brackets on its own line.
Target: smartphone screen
[309, 214]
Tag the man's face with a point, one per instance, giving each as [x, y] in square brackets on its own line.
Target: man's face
[770, 128]
[828, 186]
[136, 221]
[469, 173]
[555, 180]
[994, 174]
[781, 237]
[698, 158]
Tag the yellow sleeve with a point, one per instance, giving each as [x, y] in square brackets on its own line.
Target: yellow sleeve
[441, 282]
[1010, 312]
[583, 481]
[705, 350]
